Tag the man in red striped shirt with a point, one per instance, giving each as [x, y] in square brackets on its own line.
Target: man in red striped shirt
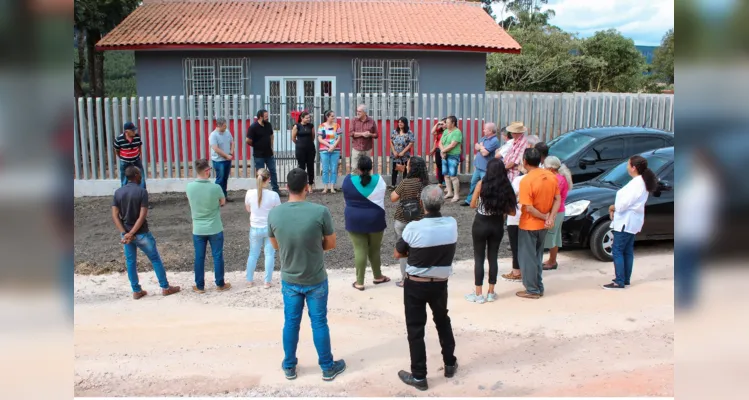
[127, 146]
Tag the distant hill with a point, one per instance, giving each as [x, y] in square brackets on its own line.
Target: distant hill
[648, 52]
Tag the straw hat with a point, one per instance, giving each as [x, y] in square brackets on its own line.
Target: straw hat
[517, 127]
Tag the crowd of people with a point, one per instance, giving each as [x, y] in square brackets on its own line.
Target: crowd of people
[514, 184]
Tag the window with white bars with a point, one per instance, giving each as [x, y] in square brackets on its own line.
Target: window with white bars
[386, 76]
[215, 77]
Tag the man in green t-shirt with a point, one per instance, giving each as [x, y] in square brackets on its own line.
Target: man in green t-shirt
[206, 199]
[301, 232]
[450, 146]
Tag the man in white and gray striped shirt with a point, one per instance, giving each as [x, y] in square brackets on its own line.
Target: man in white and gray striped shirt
[429, 246]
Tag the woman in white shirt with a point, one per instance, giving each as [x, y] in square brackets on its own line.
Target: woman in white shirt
[258, 203]
[627, 217]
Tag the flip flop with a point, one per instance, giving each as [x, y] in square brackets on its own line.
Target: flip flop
[385, 279]
[548, 267]
[353, 285]
[399, 283]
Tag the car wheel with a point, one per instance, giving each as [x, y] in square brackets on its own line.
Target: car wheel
[602, 241]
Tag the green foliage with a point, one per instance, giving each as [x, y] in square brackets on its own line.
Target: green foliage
[553, 60]
[623, 66]
[663, 60]
[119, 74]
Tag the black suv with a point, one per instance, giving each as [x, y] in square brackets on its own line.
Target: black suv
[592, 151]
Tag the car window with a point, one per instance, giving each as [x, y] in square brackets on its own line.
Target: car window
[606, 150]
[565, 146]
[642, 144]
[618, 176]
[668, 176]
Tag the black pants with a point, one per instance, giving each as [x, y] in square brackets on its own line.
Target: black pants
[487, 235]
[395, 173]
[512, 232]
[416, 296]
[305, 156]
[438, 163]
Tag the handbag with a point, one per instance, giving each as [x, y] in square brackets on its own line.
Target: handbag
[411, 209]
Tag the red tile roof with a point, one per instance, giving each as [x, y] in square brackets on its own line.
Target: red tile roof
[382, 24]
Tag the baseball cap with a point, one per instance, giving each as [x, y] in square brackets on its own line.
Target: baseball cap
[129, 126]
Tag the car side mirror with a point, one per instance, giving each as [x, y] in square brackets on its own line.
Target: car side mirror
[665, 186]
[585, 161]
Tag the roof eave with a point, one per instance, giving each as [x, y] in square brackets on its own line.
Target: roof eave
[307, 46]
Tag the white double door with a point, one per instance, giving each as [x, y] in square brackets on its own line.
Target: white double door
[287, 94]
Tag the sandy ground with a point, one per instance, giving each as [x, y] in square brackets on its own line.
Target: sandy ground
[579, 340]
[98, 249]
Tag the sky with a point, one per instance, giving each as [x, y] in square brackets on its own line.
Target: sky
[645, 21]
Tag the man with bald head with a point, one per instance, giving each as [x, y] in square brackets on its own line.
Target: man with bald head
[363, 133]
[485, 149]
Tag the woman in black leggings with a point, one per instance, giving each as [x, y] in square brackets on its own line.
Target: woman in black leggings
[492, 199]
[303, 136]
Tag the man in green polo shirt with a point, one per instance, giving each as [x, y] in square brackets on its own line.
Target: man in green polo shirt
[206, 199]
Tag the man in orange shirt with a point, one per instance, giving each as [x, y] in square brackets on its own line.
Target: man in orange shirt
[540, 200]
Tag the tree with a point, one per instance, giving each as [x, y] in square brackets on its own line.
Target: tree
[548, 63]
[526, 13]
[663, 60]
[621, 65]
[92, 19]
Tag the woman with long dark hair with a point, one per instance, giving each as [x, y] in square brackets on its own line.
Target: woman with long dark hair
[493, 198]
[303, 136]
[401, 144]
[364, 214]
[627, 217]
[437, 130]
[407, 195]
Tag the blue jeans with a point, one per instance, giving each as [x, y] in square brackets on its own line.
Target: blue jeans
[623, 252]
[687, 261]
[217, 250]
[223, 170]
[450, 165]
[329, 161]
[147, 244]
[123, 178]
[477, 176]
[293, 306]
[270, 164]
[259, 239]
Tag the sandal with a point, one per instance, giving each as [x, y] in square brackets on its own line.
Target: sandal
[361, 289]
[399, 283]
[385, 279]
[549, 267]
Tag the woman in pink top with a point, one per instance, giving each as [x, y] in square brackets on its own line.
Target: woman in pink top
[554, 235]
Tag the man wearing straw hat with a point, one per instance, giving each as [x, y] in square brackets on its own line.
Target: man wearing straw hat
[514, 158]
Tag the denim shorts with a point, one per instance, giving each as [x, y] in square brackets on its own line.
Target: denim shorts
[450, 165]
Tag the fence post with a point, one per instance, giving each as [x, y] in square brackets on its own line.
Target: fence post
[183, 138]
[76, 141]
[201, 130]
[108, 112]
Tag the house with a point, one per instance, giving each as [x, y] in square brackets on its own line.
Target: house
[290, 51]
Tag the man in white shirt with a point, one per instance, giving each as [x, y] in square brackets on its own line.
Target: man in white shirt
[502, 152]
[222, 153]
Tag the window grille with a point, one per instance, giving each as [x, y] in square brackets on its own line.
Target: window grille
[387, 76]
[215, 77]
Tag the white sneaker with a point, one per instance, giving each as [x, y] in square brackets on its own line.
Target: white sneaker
[473, 298]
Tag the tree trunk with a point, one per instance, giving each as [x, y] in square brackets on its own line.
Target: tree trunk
[90, 51]
[80, 66]
[97, 59]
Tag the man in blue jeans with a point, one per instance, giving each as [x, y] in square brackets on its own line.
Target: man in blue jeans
[260, 138]
[206, 199]
[222, 153]
[485, 148]
[129, 212]
[301, 232]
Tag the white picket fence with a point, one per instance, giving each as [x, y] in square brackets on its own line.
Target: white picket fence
[175, 134]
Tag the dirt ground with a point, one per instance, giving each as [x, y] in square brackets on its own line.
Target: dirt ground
[97, 247]
[579, 340]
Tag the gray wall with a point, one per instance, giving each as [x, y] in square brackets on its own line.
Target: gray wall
[159, 73]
